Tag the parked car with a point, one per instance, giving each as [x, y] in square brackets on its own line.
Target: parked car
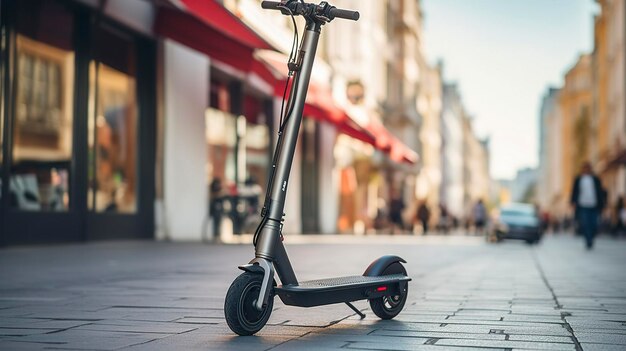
[517, 221]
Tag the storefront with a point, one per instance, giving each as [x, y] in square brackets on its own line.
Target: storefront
[89, 152]
[78, 125]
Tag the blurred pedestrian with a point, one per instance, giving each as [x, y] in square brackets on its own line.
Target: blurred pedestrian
[249, 194]
[619, 217]
[587, 199]
[444, 219]
[479, 214]
[216, 206]
[545, 221]
[396, 206]
[423, 215]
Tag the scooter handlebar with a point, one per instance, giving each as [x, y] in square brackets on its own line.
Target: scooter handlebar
[345, 14]
[329, 11]
[271, 5]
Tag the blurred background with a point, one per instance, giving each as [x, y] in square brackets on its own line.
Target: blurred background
[126, 119]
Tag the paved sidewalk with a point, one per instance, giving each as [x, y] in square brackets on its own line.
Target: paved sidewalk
[465, 294]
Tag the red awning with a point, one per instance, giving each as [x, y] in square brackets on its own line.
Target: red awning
[402, 153]
[385, 141]
[216, 16]
[319, 101]
[208, 27]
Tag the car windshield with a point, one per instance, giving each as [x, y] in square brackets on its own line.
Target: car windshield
[517, 212]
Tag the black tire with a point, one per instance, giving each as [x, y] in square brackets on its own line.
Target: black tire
[387, 307]
[241, 315]
[533, 241]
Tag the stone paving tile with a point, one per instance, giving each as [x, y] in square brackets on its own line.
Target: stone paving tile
[138, 327]
[87, 340]
[477, 317]
[23, 331]
[27, 346]
[437, 335]
[36, 323]
[314, 317]
[601, 347]
[508, 344]
[403, 347]
[541, 338]
[204, 339]
[601, 338]
[199, 320]
[548, 329]
[530, 318]
[17, 311]
[615, 327]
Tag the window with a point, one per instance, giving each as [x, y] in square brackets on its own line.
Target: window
[113, 115]
[42, 138]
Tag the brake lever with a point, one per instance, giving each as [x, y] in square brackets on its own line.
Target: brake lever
[323, 10]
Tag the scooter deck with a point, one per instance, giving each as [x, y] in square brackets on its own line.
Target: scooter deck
[341, 289]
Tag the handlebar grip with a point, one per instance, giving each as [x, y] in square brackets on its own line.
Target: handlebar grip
[345, 14]
[271, 5]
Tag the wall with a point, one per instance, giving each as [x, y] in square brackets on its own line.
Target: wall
[452, 187]
[186, 92]
[328, 180]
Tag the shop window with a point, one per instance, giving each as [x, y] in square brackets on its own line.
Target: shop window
[42, 135]
[221, 134]
[257, 159]
[112, 125]
[2, 75]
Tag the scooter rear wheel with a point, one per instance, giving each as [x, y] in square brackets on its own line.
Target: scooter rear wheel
[241, 315]
[387, 307]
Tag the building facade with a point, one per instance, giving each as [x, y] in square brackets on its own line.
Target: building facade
[575, 99]
[476, 179]
[585, 120]
[609, 94]
[550, 196]
[453, 175]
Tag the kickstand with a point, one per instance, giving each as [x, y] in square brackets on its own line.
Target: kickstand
[355, 310]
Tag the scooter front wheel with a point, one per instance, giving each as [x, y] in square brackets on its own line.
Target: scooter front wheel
[387, 307]
[241, 315]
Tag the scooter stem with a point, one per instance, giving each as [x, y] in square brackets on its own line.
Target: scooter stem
[270, 232]
[269, 251]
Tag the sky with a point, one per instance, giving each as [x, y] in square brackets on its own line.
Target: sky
[504, 54]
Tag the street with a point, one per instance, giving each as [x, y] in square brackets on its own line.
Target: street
[465, 294]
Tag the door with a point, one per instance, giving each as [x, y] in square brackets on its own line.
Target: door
[120, 136]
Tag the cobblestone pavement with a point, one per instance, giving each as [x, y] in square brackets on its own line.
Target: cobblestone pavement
[465, 294]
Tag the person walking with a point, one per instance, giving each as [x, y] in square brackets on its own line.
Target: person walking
[619, 227]
[396, 206]
[587, 199]
[216, 208]
[444, 219]
[480, 217]
[423, 214]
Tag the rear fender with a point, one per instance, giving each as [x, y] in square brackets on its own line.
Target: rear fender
[377, 267]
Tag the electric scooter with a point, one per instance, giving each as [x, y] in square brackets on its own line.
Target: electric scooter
[250, 298]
